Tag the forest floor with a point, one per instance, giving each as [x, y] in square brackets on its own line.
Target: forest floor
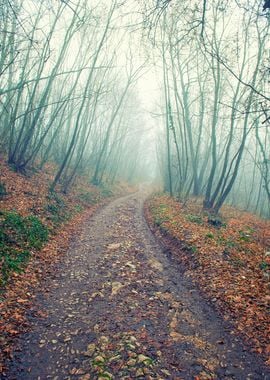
[227, 256]
[36, 226]
[117, 307]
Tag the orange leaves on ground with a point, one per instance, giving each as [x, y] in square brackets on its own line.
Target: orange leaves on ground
[19, 294]
[24, 193]
[28, 195]
[230, 263]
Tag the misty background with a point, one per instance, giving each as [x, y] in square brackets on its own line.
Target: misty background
[166, 92]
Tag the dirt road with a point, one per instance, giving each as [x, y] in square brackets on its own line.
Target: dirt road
[118, 308]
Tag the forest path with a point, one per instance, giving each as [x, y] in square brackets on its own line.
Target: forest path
[119, 308]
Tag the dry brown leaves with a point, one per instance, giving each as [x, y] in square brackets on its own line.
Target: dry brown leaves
[231, 262]
[28, 195]
[20, 292]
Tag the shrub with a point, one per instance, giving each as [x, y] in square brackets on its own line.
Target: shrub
[105, 191]
[88, 197]
[160, 220]
[216, 221]
[12, 260]
[35, 232]
[195, 219]
[18, 235]
[57, 208]
[209, 235]
[246, 235]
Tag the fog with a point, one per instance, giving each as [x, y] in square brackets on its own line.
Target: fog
[165, 92]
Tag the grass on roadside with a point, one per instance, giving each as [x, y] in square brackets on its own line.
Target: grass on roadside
[18, 237]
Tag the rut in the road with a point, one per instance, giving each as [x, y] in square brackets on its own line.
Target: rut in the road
[118, 308]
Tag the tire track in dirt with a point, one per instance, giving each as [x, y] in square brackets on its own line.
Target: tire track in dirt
[118, 308]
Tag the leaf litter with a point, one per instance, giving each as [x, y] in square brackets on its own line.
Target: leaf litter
[62, 215]
[126, 313]
[230, 263]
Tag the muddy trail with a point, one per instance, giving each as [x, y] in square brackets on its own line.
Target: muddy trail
[119, 308]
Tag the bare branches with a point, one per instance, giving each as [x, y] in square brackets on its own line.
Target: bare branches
[223, 63]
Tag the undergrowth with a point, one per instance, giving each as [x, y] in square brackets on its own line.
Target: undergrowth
[56, 208]
[18, 237]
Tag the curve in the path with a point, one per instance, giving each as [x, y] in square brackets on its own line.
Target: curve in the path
[118, 308]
